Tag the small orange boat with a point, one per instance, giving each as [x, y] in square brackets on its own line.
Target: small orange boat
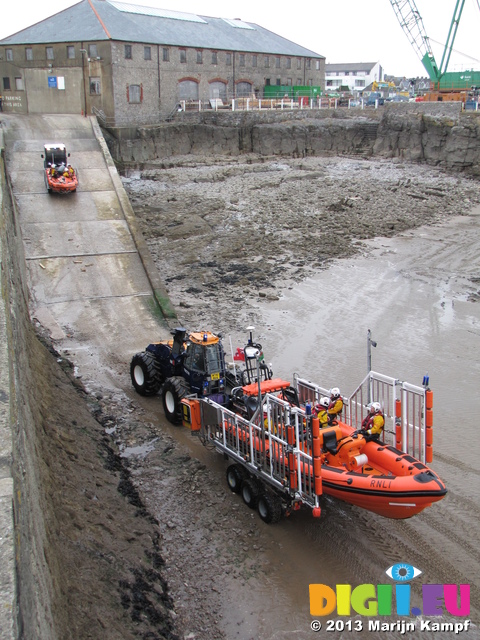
[376, 476]
[280, 447]
[59, 176]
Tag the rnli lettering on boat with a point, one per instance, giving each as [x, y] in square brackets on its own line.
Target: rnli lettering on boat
[381, 484]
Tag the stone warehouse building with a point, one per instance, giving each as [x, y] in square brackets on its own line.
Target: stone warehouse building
[137, 63]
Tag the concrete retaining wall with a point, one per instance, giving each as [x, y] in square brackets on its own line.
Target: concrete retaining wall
[33, 575]
[439, 134]
[7, 554]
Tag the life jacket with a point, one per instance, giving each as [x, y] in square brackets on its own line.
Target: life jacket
[335, 407]
[370, 423]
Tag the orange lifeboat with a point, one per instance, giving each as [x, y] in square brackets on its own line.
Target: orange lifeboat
[375, 476]
[61, 183]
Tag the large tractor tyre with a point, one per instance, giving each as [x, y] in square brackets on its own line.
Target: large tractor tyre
[235, 476]
[250, 491]
[174, 390]
[145, 374]
[269, 508]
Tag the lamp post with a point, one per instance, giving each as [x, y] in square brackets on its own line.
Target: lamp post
[83, 52]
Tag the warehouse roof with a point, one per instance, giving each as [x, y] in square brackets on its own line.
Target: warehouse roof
[93, 20]
[350, 66]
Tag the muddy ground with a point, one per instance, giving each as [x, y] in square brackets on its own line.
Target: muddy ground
[151, 545]
[225, 231]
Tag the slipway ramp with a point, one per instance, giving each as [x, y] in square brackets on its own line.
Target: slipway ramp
[92, 282]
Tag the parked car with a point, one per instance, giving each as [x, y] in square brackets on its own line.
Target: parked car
[374, 99]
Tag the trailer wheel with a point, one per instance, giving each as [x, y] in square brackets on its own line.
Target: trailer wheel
[250, 492]
[174, 390]
[145, 374]
[234, 477]
[269, 508]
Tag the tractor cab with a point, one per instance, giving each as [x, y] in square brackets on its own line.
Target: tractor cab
[55, 154]
[204, 366]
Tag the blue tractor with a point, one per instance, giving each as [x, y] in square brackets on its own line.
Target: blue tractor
[182, 366]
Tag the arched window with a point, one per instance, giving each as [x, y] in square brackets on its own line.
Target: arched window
[188, 90]
[218, 90]
[244, 89]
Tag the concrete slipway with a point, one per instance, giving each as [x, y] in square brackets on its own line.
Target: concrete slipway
[91, 278]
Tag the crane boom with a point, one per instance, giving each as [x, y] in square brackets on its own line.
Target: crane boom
[451, 35]
[412, 24]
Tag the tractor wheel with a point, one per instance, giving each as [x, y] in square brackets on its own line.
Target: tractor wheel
[269, 508]
[145, 374]
[174, 390]
[234, 477]
[250, 492]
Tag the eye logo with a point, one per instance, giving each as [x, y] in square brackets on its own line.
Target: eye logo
[402, 572]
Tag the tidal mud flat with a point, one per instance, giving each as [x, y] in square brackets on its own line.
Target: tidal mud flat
[289, 245]
[225, 232]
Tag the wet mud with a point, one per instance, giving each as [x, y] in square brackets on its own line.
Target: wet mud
[314, 253]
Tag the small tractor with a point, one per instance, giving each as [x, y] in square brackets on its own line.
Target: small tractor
[195, 365]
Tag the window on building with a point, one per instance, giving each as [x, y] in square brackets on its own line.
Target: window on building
[354, 73]
[92, 51]
[288, 63]
[6, 84]
[128, 52]
[277, 62]
[299, 82]
[317, 65]
[19, 86]
[241, 59]
[267, 61]
[278, 82]
[359, 83]
[199, 57]
[49, 53]
[70, 52]
[183, 55]
[9, 54]
[187, 90]
[28, 53]
[166, 54]
[267, 82]
[147, 53]
[229, 59]
[244, 90]
[95, 86]
[215, 57]
[347, 73]
[299, 63]
[254, 61]
[218, 90]
[135, 93]
[289, 82]
[308, 63]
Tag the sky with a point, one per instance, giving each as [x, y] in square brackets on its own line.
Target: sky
[343, 31]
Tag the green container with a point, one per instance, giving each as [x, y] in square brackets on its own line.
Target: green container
[277, 92]
[460, 80]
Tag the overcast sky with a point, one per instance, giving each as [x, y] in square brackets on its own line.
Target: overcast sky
[340, 30]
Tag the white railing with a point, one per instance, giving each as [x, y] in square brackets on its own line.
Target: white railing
[267, 104]
[405, 407]
[274, 447]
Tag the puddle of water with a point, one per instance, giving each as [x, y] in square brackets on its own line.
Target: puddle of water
[141, 451]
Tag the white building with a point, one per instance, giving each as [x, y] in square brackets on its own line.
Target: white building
[354, 75]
